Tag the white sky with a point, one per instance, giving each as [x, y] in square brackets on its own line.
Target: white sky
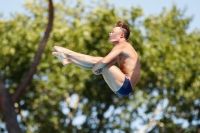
[149, 7]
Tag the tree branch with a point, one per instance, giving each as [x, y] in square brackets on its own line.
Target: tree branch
[152, 122]
[38, 55]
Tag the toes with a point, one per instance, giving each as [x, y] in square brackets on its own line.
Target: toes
[55, 53]
[57, 48]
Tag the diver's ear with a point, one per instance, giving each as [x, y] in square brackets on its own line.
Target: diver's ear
[122, 35]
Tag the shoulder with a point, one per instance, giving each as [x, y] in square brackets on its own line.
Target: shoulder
[129, 50]
[127, 47]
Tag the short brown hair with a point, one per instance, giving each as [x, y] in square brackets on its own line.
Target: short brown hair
[125, 28]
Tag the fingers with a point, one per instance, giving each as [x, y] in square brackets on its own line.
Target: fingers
[97, 72]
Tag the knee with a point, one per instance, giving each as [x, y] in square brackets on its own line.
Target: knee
[110, 64]
[106, 67]
[96, 59]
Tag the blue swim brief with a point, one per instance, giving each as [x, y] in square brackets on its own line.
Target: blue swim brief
[126, 89]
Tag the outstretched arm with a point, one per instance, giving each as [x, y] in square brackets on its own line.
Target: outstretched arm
[107, 59]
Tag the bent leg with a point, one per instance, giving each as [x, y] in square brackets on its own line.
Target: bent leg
[113, 76]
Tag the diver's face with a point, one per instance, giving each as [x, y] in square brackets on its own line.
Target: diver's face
[115, 35]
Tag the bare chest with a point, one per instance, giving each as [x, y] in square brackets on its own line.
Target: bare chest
[121, 60]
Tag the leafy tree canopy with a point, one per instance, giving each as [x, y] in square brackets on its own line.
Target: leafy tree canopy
[69, 99]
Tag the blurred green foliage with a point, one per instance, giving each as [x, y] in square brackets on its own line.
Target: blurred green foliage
[58, 96]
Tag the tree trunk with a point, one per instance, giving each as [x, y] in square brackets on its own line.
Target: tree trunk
[8, 109]
[6, 101]
[38, 55]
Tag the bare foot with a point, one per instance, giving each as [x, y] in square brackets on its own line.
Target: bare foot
[63, 58]
[62, 50]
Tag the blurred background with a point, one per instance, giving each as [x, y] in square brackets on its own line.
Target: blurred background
[38, 94]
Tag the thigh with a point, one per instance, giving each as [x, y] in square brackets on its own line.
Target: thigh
[113, 76]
